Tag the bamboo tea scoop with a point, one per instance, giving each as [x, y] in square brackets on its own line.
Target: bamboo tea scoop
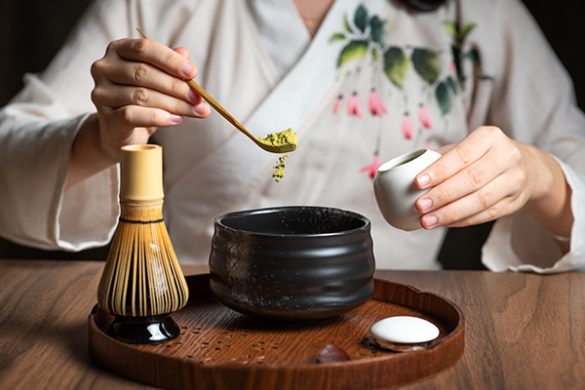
[280, 142]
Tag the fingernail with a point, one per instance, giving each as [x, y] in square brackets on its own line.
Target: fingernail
[202, 109]
[176, 119]
[187, 69]
[429, 221]
[193, 96]
[425, 204]
[423, 180]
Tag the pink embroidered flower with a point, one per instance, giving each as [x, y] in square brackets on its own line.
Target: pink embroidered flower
[372, 168]
[423, 117]
[337, 104]
[406, 126]
[375, 103]
[353, 106]
[452, 68]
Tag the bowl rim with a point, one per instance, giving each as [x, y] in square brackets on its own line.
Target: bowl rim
[267, 210]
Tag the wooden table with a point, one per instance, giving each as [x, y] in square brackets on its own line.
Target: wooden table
[523, 331]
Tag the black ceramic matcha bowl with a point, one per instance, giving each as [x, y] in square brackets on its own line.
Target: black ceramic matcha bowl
[292, 263]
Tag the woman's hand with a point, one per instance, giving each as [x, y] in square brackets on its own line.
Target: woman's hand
[487, 176]
[139, 87]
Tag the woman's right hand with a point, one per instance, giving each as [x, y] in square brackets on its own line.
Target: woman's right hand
[139, 87]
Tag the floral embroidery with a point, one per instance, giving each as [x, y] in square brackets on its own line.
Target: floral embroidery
[423, 117]
[372, 168]
[458, 35]
[364, 37]
[375, 103]
[337, 104]
[353, 106]
[406, 126]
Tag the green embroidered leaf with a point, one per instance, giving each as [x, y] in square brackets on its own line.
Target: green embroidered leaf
[375, 54]
[427, 64]
[351, 51]
[336, 37]
[451, 84]
[360, 18]
[451, 28]
[473, 55]
[466, 30]
[377, 30]
[443, 98]
[346, 25]
[396, 66]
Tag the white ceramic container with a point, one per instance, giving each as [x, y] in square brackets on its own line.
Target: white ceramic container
[395, 190]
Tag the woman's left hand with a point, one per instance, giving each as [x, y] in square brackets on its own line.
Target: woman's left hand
[484, 177]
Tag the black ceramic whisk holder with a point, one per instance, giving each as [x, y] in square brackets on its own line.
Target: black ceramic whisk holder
[144, 330]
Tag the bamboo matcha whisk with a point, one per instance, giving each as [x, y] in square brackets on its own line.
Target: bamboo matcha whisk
[142, 282]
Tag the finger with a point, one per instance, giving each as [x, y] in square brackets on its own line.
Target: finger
[182, 51]
[117, 96]
[185, 53]
[501, 209]
[462, 183]
[156, 54]
[138, 116]
[466, 152]
[141, 74]
[97, 70]
[482, 200]
[445, 148]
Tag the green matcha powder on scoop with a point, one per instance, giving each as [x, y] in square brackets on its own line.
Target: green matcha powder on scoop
[281, 142]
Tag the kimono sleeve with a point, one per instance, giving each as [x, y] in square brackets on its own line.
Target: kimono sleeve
[533, 102]
[37, 129]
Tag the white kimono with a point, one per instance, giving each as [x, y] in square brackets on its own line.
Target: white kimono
[375, 82]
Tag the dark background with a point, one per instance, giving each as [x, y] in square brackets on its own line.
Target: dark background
[32, 31]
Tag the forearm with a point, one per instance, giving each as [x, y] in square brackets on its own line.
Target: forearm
[88, 155]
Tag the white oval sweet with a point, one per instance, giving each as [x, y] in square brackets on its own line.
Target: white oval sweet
[404, 330]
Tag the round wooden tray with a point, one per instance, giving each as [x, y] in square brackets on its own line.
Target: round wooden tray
[222, 349]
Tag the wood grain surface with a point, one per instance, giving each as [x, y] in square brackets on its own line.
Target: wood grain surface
[221, 349]
[522, 331]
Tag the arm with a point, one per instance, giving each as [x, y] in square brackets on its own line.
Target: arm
[37, 130]
[526, 172]
[49, 136]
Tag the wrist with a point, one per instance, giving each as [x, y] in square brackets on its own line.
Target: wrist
[108, 152]
[88, 155]
[550, 197]
[544, 173]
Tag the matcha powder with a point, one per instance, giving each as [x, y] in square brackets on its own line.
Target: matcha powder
[279, 168]
[281, 142]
